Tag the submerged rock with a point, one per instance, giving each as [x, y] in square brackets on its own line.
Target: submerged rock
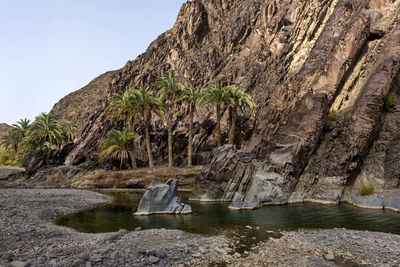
[161, 198]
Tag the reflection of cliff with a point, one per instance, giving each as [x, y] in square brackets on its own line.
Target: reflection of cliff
[299, 60]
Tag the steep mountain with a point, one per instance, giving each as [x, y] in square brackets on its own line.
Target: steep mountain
[301, 61]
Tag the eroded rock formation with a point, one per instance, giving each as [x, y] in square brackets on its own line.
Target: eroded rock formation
[299, 60]
[161, 198]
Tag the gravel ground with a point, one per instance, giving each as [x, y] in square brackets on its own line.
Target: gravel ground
[28, 237]
[335, 247]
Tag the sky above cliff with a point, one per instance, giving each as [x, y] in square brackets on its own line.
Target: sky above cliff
[51, 48]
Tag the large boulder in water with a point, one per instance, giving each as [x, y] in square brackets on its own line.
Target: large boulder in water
[161, 198]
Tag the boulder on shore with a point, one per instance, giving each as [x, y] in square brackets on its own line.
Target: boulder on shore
[161, 198]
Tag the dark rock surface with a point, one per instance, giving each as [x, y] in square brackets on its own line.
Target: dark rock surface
[161, 198]
[41, 159]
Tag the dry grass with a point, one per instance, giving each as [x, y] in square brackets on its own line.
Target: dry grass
[139, 178]
[332, 115]
[366, 188]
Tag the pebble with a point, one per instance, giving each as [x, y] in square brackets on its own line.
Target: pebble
[56, 251]
[330, 256]
[115, 255]
[220, 250]
[78, 262]
[196, 255]
[142, 251]
[19, 264]
[84, 256]
[154, 259]
[160, 253]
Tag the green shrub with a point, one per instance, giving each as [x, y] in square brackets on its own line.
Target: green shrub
[238, 48]
[332, 115]
[366, 188]
[187, 11]
[7, 157]
[390, 99]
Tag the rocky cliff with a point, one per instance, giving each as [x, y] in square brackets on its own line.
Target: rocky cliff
[300, 60]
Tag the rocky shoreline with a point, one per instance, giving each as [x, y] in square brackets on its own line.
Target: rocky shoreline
[28, 237]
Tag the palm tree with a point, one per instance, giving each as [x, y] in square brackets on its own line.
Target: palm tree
[169, 91]
[69, 131]
[236, 98]
[22, 127]
[145, 105]
[192, 95]
[121, 107]
[11, 140]
[46, 129]
[13, 137]
[116, 144]
[216, 94]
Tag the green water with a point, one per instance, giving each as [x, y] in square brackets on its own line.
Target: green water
[216, 218]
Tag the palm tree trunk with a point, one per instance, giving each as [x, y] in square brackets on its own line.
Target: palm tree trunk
[170, 163]
[120, 164]
[133, 159]
[233, 111]
[149, 153]
[219, 125]
[190, 142]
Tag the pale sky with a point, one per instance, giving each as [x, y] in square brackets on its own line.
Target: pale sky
[49, 48]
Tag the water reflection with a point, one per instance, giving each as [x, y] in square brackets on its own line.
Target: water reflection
[216, 218]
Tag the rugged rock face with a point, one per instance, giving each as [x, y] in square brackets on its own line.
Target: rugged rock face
[237, 176]
[299, 60]
[46, 158]
[161, 198]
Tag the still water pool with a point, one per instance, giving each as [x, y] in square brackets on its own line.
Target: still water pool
[216, 218]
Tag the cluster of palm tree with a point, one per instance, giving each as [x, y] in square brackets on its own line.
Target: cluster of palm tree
[136, 106]
[43, 132]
